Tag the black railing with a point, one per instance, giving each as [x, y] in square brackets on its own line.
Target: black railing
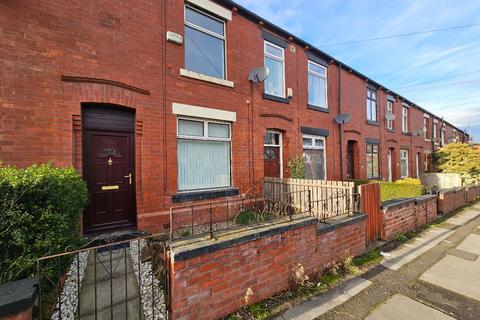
[114, 279]
[338, 204]
[254, 209]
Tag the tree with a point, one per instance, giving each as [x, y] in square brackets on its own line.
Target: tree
[459, 158]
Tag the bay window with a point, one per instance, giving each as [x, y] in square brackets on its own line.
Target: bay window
[204, 43]
[275, 62]
[203, 154]
[314, 157]
[317, 85]
[373, 167]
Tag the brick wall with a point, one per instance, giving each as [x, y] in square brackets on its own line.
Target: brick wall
[213, 284]
[402, 216]
[452, 199]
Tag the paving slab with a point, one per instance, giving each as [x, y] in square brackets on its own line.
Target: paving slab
[456, 274]
[320, 304]
[463, 254]
[400, 307]
[464, 216]
[412, 249]
[471, 244]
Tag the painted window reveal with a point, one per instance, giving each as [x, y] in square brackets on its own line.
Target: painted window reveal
[371, 105]
[204, 43]
[275, 61]
[389, 111]
[403, 164]
[204, 154]
[317, 85]
[314, 157]
[373, 166]
[404, 119]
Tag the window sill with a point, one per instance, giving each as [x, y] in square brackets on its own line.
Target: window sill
[372, 123]
[428, 140]
[275, 98]
[204, 194]
[203, 77]
[317, 108]
[391, 130]
[406, 133]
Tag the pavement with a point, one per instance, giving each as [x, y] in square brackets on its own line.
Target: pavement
[434, 276]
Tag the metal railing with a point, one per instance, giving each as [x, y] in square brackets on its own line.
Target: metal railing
[340, 203]
[253, 209]
[113, 279]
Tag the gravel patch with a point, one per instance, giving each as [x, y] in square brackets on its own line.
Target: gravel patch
[152, 298]
[69, 295]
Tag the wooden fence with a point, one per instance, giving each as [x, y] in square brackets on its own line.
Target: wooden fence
[322, 198]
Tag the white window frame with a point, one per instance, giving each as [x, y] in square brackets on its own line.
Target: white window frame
[205, 137]
[442, 136]
[316, 74]
[280, 144]
[213, 34]
[402, 153]
[368, 100]
[389, 111]
[282, 60]
[434, 131]
[417, 164]
[314, 147]
[426, 118]
[405, 119]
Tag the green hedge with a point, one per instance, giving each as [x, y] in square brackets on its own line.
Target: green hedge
[406, 188]
[40, 209]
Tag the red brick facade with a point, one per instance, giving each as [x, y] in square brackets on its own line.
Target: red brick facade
[214, 284]
[56, 55]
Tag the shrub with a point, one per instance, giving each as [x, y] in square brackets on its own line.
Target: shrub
[40, 209]
[408, 188]
[296, 167]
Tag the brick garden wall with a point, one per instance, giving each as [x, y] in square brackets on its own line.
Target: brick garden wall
[211, 281]
[401, 216]
[452, 199]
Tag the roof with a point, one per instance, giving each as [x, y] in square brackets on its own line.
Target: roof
[269, 25]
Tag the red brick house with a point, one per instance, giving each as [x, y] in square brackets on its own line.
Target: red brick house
[151, 102]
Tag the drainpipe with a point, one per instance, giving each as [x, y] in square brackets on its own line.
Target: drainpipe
[340, 111]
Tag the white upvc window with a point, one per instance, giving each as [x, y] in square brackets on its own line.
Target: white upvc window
[317, 85]
[204, 154]
[434, 131]
[204, 43]
[425, 127]
[403, 163]
[404, 119]
[275, 62]
[389, 111]
[314, 157]
[442, 137]
[371, 105]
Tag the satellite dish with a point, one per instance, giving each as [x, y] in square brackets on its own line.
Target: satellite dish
[343, 118]
[258, 74]
[390, 116]
[417, 132]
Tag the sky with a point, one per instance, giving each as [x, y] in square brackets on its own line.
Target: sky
[439, 71]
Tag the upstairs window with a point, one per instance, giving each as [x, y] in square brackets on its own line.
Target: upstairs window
[425, 127]
[442, 137]
[275, 62]
[314, 157]
[373, 167]
[317, 85]
[204, 43]
[405, 119]
[203, 154]
[435, 129]
[389, 111]
[371, 105]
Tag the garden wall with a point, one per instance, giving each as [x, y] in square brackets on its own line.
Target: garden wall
[404, 215]
[211, 279]
[452, 199]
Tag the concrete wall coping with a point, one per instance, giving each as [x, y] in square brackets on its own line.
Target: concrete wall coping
[425, 198]
[386, 205]
[17, 296]
[447, 191]
[342, 221]
[188, 249]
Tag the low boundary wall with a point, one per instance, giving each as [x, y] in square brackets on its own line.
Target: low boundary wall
[211, 279]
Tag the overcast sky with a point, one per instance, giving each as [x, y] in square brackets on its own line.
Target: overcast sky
[439, 71]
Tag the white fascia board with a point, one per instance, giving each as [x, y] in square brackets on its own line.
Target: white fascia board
[213, 8]
[202, 112]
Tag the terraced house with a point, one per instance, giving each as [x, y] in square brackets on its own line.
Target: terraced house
[152, 102]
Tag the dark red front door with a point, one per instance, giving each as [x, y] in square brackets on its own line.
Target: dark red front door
[271, 161]
[110, 176]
